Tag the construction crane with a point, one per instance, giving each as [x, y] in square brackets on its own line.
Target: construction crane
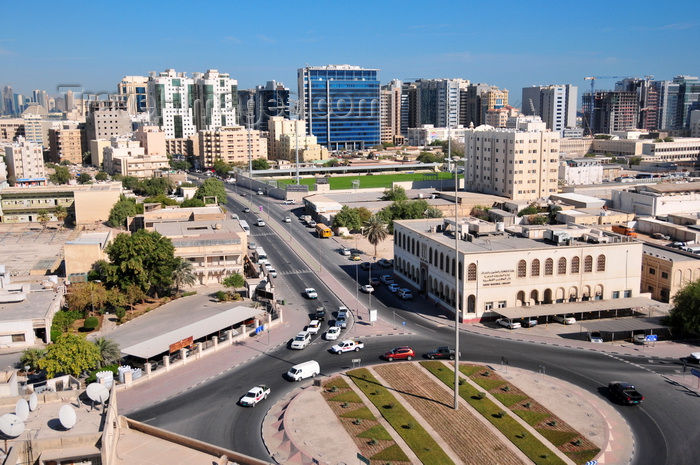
[593, 79]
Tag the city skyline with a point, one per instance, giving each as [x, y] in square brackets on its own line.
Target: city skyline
[512, 45]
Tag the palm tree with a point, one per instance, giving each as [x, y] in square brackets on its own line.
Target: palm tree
[109, 351]
[433, 212]
[60, 213]
[30, 357]
[183, 274]
[375, 231]
[43, 217]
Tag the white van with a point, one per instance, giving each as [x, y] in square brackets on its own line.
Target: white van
[304, 370]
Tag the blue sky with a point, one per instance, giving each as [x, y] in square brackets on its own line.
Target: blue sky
[511, 44]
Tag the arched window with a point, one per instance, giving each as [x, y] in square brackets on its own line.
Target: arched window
[575, 265]
[430, 256]
[535, 268]
[435, 260]
[461, 271]
[561, 266]
[471, 272]
[549, 267]
[522, 269]
[588, 264]
[442, 262]
[601, 263]
[452, 271]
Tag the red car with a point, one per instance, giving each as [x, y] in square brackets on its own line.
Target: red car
[400, 353]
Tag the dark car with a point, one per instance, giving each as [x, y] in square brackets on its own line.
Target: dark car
[366, 266]
[624, 392]
[320, 314]
[441, 353]
[400, 353]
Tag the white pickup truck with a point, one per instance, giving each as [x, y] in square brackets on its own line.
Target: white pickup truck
[254, 396]
[347, 346]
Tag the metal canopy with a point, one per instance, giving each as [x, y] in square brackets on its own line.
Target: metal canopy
[160, 344]
[575, 307]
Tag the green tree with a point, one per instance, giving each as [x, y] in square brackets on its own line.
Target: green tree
[145, 258]
[65, 163]
[260, 164]
[134, 294]
[87, 158]
[71, 354]
[395, 194]
[123, 209]
[212, 188]
[84, 178]
[101, 176]
[61, 175]
[64, 319]
[164, 200]
[684, 316]
[84, 297]
[30, 357]
[234, 280]
[668, 139]
[191, 203]
[43, 217]
[221, 167]
[375, 231]
[130, 183]
[332, 162]
[183, 274]
[108, 350]
[365, 214]
[98, 271]
[429, 157]
[347, 217]
[635, 161]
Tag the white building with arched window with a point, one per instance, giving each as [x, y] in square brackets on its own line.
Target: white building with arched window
[506, 270]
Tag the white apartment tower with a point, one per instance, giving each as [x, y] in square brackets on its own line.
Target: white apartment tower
[25, 162]
[520, 163]
[216, 101]
[555, 104]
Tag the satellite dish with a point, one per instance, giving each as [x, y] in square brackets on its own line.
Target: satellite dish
[97, 392]
[32, 401]
[67, 416]
[22, 409]
[11, 425]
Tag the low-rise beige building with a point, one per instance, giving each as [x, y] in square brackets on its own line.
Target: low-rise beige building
[216, 246]
[231, 144]
[666, 271]
[152, 139]
[498, 271]
[286, 138]
[126, 157]
[81, 253]
[85, 204]
[67, 143]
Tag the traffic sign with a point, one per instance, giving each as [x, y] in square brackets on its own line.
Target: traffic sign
[695, 371]
[651, 338]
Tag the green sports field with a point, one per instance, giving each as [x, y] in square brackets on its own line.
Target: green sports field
[371, 181]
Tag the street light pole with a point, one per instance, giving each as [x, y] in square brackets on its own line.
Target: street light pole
[456, 271]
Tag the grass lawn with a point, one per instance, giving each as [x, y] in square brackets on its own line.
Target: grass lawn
[373, 181]
[362, 413]
[377, 432]
[417, 438]
[538, 452]
[347, 397]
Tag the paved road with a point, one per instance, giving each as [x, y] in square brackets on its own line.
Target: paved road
[660, 425]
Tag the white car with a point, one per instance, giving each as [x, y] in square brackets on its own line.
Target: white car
[287, 219]
[567, 319]
[367, 288]
[301, 340]
[347, 346]
[393, 287]
[343, 311]
[595, 336]
[333, 333]
[314, 327]
[268, 266]
[345, 252]
[272, 272]
[254, 396]
[312, 224]
[261, 222]
[387, 279]
[405, 294]
[508, 323]
[311, 293]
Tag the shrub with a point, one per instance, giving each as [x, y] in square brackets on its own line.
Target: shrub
[222, 296]
[189, 293]
[373, 442]
[506, 388]
[344, 405]
[410, 425]
[357, 421]
[486, 373]
[91, 323]
[334, 389]
[481, 395]
[578, 442]
[462, 381]
[553, 423]
[500, 414]
[528, 405]
[120, 313]
[390, 405]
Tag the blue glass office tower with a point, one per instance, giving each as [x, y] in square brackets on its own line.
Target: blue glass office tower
[340, 104]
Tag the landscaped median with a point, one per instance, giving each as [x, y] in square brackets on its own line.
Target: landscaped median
[418, 439]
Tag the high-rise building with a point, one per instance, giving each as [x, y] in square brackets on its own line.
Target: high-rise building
[688, 98]
[340, 104]
[230, 144]
[390, 109]
[107, 118]
[181, 106]
[216, 100]
[409, 111]
[479, 99]
[668, 95]
[648, 101]
[520, 163]
[69, 100]
[134, 90]
[25, 162]
[613, 111]
[267, 101]
[438, 101]
[555, 104]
